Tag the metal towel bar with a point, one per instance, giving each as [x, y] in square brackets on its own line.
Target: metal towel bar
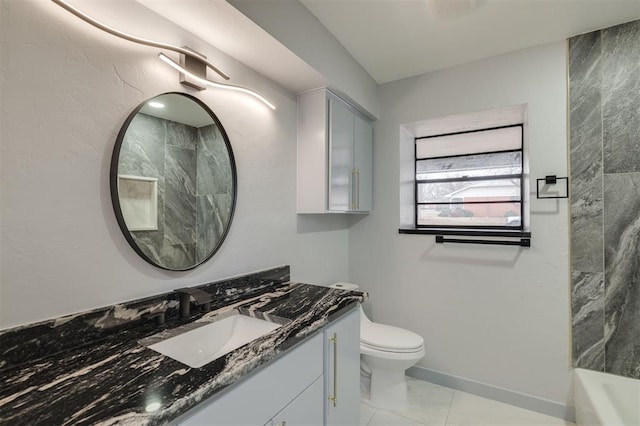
[524, 242]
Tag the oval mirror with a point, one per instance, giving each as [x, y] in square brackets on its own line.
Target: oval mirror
[173, 181]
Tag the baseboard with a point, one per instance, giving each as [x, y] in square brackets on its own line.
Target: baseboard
[518, 399]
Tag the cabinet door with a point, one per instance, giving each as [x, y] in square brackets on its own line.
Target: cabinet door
[363, 164]
[342, 371]
[340, 196]
[305, 410]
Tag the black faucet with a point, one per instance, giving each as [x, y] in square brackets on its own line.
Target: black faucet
[158, 317]
[202, 298]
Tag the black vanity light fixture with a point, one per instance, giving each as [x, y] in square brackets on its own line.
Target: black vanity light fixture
[192, 67]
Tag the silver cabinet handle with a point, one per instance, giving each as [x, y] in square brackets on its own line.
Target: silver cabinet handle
[334, 398]
[358, 189]
[353, 188]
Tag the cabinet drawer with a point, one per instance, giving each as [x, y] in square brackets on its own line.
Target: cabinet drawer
[305, 410]
[259, 397]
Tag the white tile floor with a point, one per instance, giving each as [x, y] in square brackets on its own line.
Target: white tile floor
[435, 405]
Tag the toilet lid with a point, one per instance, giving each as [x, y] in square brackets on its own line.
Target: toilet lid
[389, 337]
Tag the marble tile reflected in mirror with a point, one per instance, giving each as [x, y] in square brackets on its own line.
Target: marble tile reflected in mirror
[180, 220]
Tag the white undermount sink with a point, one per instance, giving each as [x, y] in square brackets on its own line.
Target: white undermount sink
[202, 345]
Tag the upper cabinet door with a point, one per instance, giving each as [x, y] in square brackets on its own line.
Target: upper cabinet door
[335, 144]
[363, 164]
[341, 172]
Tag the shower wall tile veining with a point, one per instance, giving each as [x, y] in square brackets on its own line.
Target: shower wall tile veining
[183, 158]
[604, 97]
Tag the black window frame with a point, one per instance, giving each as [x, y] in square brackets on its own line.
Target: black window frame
[471, 228]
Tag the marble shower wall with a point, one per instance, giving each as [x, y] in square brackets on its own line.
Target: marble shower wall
[184, 159]
[604, 99]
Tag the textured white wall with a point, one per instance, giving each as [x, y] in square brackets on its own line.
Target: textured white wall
[66, 90]
[497, 315]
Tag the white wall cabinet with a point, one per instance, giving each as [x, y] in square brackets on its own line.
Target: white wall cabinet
[335, 156]
[342, 371]
[294, 390]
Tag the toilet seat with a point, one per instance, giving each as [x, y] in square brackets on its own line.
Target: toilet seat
[388, 338]
[370, 349]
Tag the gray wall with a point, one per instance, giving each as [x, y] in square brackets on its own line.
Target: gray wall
[495, 315]
[296, 27]
[604, 76]
[67, 88]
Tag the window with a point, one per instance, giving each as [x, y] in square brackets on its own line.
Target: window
[470, 180]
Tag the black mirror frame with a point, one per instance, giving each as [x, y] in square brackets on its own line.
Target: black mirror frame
[113, 182]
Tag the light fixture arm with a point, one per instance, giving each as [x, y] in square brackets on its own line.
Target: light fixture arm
[129, 37]
[206, 82]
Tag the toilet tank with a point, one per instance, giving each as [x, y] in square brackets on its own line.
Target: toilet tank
[351, 287]
[345, 286]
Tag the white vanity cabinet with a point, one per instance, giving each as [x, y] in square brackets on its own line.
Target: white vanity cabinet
[294, 389]
[335, 156]
[264, 394]
[342, 371]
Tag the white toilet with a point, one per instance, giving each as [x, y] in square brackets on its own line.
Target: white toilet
[385, 353]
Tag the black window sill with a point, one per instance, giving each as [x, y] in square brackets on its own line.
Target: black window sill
[466, 232]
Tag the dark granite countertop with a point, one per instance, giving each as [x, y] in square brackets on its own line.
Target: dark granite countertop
[113, 378]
